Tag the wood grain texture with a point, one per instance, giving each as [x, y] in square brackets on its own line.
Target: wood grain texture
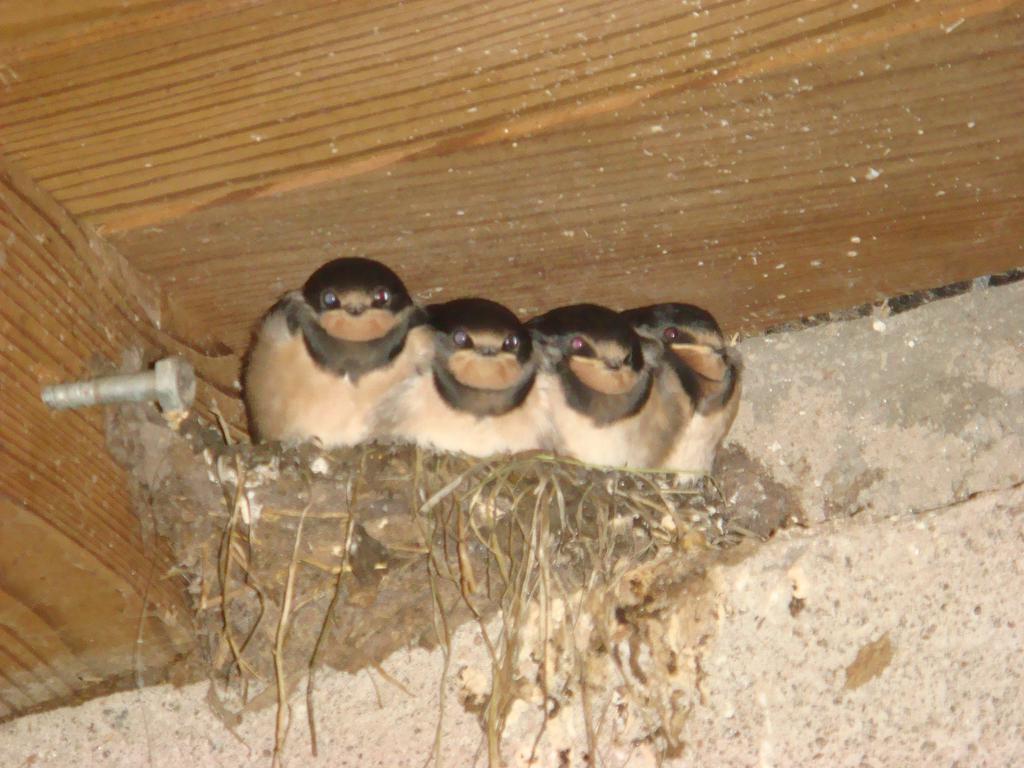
[285, 94]
[35, 30]
[77, 581]
[884, 168]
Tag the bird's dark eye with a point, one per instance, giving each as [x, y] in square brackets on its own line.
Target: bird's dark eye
[577, 344]
[511, 343]
[670, 334]
[381, 297]
[461, 339]
[329, 299]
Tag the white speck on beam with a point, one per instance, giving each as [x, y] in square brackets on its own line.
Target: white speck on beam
[872, 174]
[954, 25]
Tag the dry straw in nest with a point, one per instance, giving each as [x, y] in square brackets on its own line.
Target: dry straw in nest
[328, 557]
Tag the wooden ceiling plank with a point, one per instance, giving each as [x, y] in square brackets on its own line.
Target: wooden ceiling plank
[272, 73]
[698, 182]
[71, 604]
[37, 462]
[79, 621]
[296, 140]
[34, 30]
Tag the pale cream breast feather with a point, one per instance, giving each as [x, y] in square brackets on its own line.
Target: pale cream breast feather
[291, 399]
[698, 444]
[421, 415]
[641, 441]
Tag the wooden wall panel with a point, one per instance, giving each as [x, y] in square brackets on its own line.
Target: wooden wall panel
[76, 579]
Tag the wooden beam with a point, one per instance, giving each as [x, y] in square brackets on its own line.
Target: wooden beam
[282, 95]
[820, 185]
[37, 30]
[84, 597]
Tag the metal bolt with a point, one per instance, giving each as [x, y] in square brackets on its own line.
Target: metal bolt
[172, 383]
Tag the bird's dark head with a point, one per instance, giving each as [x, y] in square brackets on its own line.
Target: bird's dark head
[694, 347]
[484, 361]
[357, 299]
[595, 344]
[676, 324]
[482, 343]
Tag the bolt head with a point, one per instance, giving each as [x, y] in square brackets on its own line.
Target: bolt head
[175, 384]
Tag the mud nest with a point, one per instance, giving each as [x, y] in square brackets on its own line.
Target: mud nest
[298, 557]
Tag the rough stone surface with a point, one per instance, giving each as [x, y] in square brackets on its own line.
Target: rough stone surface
[892, 414]
[892, 638]
[167, 726]
[874, 643]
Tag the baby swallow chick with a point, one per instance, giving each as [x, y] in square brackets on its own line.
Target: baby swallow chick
[325, 358]
[708, 373]
[609, 403]
[479, 395]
